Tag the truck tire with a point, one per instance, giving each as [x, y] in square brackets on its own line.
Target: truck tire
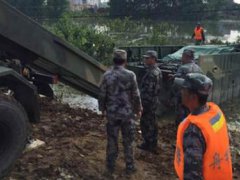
[14, 129]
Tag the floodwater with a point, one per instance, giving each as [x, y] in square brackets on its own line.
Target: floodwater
[74, 98]
[225, 30]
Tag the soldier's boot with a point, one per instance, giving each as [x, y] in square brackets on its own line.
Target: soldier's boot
[109, 171]
[130, 169]
[110, 167]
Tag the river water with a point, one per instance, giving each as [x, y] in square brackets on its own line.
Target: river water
[226, 30]
[74, 98]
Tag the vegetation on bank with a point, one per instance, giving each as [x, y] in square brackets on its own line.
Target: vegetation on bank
[155, 9]
[100, 37]
[86, 37]
[99, 33]
[41, 9]
[174, 9]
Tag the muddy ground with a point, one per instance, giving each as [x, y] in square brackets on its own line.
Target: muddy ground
[75, 147]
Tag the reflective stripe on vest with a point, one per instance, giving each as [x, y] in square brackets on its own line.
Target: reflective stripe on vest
[198, 33]
[217, 163]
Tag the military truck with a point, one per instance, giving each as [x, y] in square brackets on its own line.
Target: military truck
[219, 62]
[30, 59]
[45, 56]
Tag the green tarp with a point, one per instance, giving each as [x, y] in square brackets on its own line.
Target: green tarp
[200, 50]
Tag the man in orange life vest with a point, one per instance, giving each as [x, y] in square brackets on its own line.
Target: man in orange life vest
[198, 34]
[202, 146]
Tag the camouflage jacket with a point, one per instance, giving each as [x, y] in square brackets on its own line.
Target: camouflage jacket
[150, 86]
[194, 147]
[119, 94]
[184, 69]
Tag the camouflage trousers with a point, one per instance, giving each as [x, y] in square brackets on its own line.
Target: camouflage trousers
[127, 128]
[149, 127]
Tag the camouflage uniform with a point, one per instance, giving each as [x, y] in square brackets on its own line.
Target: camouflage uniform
[150, 89]
[194, 147]
[194, 144]
[183, 70]
[120, 98]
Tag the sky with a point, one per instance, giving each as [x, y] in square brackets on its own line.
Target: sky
[237, 1]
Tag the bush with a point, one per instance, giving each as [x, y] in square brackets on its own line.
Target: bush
[99, 37]
[85, 37]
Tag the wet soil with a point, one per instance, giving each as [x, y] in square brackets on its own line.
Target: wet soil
[76, 141]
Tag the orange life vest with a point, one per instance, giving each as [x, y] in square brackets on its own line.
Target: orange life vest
[198, 33]
[217, 163]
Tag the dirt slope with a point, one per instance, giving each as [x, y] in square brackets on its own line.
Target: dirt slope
[75, 149]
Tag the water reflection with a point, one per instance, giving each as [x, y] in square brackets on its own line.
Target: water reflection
[179, 32]
[74, 98]
[226, 30]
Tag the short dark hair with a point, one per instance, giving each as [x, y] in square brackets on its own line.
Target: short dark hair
[118, 61]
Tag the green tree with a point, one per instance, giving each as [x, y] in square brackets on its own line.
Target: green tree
[29, 7]
[55, 8]
[86, 37]
[118, 8]
[39, 9]
[167, 9]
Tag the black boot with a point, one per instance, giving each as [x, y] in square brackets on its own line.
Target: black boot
[130, 169]
[110, 168]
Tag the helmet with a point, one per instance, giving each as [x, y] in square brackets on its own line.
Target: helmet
[196, 82]
[151, 53]
[189, 52]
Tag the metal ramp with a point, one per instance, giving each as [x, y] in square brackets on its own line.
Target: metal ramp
[24, 39]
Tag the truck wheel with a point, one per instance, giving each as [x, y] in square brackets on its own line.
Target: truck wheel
[14, 130]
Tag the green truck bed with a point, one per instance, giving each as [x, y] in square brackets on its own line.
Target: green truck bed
[26, 40]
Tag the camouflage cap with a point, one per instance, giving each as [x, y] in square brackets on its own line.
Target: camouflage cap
[120, 54]
[196, 82]
[189, 52]
[151, 53]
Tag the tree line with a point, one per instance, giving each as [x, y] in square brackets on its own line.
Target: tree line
[170, 9]
[138, 9]
[40, 9]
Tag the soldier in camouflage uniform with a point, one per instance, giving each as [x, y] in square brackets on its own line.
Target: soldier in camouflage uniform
[119, 99]
[188, 66]
[150, 91]
[195, 89]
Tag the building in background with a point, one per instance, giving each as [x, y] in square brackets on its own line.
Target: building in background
[77, 5]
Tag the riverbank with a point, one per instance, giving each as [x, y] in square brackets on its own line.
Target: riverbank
[76, 141]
